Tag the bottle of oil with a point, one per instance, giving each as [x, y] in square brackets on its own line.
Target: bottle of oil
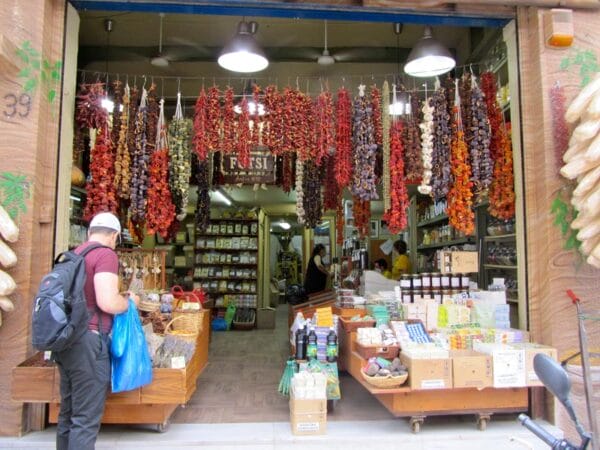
[311, 348]
[332, 346]
[300, 344]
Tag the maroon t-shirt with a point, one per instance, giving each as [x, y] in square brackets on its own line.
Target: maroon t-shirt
[99, 260]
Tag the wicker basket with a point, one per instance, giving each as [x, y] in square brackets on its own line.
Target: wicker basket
[188, 336]
[385, 382]
[190, 321]
[353, 325]
[148, 306]
[371, 351]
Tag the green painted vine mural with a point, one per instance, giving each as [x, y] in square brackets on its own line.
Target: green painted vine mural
[15, 190]
[39, 71]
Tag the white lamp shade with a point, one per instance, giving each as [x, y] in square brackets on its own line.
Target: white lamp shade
[243, 54]
[429, 58]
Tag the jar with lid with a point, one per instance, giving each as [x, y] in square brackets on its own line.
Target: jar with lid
[436, 294]
[416, 281]
[407, 296]
[464, 281]
[405, 282]
[455, 280]
[445, 281]
[436, 280]
[446, 294]
[426, 281]
[417, 294]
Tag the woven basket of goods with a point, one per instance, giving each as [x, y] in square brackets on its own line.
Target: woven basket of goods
[244, 319]
[385, 381]
[148, 306]
[189, 320]
[189, 336]
[382, 373]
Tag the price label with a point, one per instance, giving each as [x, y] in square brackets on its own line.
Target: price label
[47, 355]
[177, 362]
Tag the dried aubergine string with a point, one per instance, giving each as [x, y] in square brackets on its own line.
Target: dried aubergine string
[139, 167]
[377, 120]
[213, 117]
[160, 212]
[202, 176]
[386, 147]
[441, 146]
[323, 128]
[364, 150]
[116, 114]
[300, 191]
[101, 196]
[501, 192]
[123, 159]
[460, 198]
[343, 135]
[413, 161]
[312, 202]
[479, 145]
[180, 168]
[464, 88]
[200, 139]
[244, 138]
[330, 189]
[396, 216]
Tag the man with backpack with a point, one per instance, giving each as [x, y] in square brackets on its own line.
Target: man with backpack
[85, 365]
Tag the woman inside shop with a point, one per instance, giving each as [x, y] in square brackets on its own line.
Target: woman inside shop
[401, 263]
[381, 266]
[316, 273]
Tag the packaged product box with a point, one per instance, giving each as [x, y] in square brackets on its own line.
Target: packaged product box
[265, 318]
[471, 369]
[531, 350]
[508, 364]
[428, 373]
[459, 262]
[308, 424]
[307, 406]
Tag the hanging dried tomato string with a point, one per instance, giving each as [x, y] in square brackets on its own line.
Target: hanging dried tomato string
[228, 122]
[243, 135]
[213, 118]
[343, 135]
[200, 139]
[323, 127]
[101, 194]
[396, 217]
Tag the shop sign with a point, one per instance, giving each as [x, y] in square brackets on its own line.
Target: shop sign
[261, 169]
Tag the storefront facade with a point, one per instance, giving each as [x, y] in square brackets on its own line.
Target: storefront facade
[32, 122]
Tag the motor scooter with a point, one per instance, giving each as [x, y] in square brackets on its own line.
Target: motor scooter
[557, 381]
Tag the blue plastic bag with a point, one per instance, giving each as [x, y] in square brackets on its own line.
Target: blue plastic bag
[131, 365]
[219, 324]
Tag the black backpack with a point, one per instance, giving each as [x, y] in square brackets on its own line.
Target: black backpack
[60, 314]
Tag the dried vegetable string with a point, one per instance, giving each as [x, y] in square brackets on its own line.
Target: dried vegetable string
[427, 133]
[180, 168]
[116, 114]
[123, 159]
[331, 190]
[272, 136]
[361, 210]
[300, 192]
[312, 193]
[90, 113]
[441, 146]
[160, 212]
[200, 139]
[460, 198]
[339, 220]
[287, 179]
[139, 168]
[377, 120]
[244, 137]
[152, 120]
[364, 149]
[202, 176]
[501, 192]
[413, 161]
[323, 127]
[560, 129]
[386, 146]
[343, 135]
[228, 143]
[213, 118]
[396, 215]
[479, 145]
[256, 117]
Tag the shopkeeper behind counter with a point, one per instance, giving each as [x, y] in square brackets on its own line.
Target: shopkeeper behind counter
[316, 273]
[401, 262]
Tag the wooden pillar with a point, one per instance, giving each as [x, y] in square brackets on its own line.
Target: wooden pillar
[551, 270]
[30, 88]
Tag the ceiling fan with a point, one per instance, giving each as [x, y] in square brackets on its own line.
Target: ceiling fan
[160, 60]
[325, 59]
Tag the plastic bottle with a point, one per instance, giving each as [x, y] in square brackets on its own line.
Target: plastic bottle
[311, 348]
[332, 346]
[301, 344]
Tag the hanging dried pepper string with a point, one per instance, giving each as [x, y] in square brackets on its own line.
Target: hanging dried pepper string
[460, 198]
[123, 159]
[377, 120]
[90, 113]
[256, 117]
[101, 195]
[270, 137]
[385, 139]
[323, 127]
[243, 139]
[202, 176]
[479, 145]
[213, 118]
[287, 179]
[200, 139]
[160, 212]
[501, 193]
[560, 129]
[312, 194]
[343, 135]
[331, 189]
[396, 216]
[229, 143]
[413, 161]
[361, 210]
[441, 146]
[364, 149]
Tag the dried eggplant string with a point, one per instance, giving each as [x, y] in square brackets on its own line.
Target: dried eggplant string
[441, 145]
[331, 190]
[311, 200]
[287, 172]
[160, 212]
[300, 191]
[202, 175]
[364, 149]
[479, 145]
[339, 219]
[116, 113]
[385, 139]
[139, 170]
[123, 159]
[460, 197]
[361, 210]
[180, 168]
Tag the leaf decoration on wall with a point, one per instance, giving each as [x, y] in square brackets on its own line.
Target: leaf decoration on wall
[15, 190]
[38, 70]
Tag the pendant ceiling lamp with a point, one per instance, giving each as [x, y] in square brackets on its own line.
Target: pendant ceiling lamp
[429, 58]
[242, 53]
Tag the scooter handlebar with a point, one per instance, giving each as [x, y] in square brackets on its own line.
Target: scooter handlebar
[538, 430]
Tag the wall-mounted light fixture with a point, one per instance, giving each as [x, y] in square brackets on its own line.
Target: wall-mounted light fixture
[429, 57]
[221, 198]
[242, 53]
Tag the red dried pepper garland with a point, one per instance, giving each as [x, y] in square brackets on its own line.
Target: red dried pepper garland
[213, 119]
[343, 136]
[501, 194]
[243, 136]
[101, 192]
[361, 209]
[376, 105]
[228, 122]
[90, 113]
[287, 172]
[331, 190]
[460, 198]
[396, 216]
[200, 139]
[273, 113]
[256, 117]
[323, 127]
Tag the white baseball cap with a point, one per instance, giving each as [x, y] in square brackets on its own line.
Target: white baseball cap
[106, 220]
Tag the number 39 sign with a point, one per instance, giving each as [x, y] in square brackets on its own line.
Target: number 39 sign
[17, 105]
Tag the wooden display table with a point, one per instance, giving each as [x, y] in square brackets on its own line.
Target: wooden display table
[418, 404]
[150, 404]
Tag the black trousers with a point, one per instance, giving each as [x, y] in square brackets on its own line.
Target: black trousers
[84, 381]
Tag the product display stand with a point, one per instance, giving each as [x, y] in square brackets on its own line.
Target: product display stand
[418, 404]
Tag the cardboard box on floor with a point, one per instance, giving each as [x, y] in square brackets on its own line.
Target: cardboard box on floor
[508, 363]
[428, 373]
[531, 349]
[308, 416]
[471, 369]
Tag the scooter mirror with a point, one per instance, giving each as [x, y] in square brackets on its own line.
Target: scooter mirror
[553, 376]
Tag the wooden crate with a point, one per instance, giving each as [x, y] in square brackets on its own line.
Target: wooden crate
[32, 384]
